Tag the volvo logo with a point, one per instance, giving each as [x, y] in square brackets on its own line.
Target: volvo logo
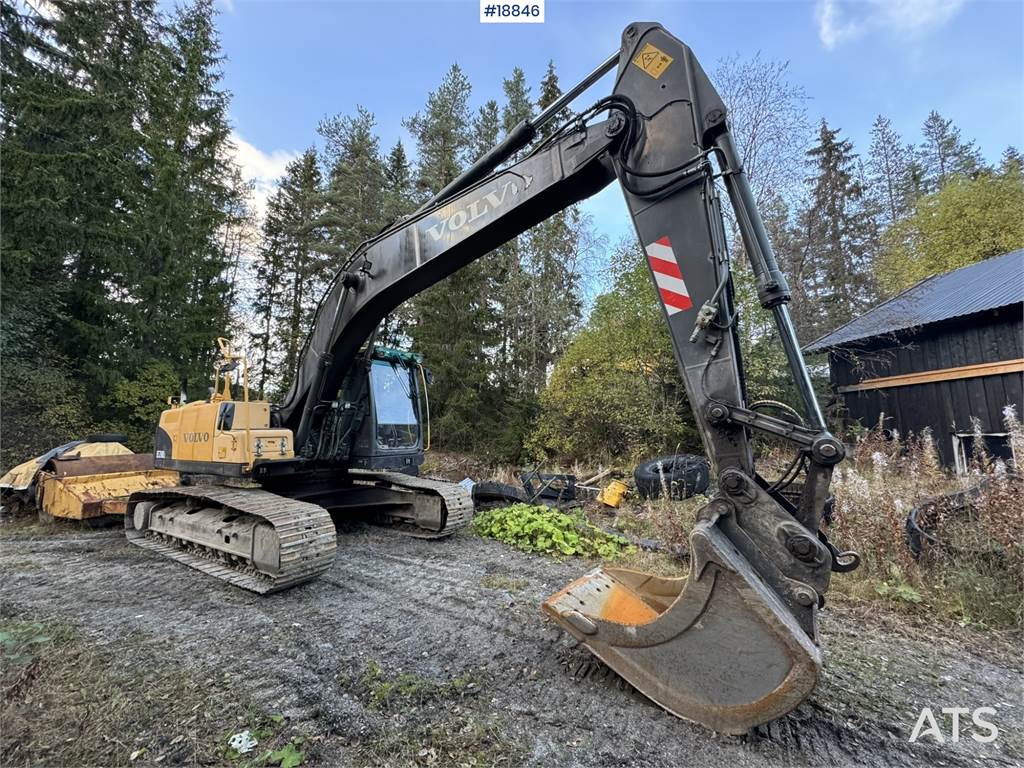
[196, 437]
[479, 207]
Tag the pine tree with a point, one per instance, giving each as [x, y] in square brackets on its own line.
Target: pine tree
[442, 132]
[355, 201]
[397, 185]
[943, 154]
[889, 172]
[837, 234]
[454, 322]
[398, 203]
[1010, 162]
[290, 272]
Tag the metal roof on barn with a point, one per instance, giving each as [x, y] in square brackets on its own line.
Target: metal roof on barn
[989, 284]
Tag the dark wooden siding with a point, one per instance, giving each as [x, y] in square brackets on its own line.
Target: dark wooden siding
[946, 406]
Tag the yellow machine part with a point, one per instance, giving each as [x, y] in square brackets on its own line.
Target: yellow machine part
[80, 497]
[22, 476]
[611, 495]
[195, 433]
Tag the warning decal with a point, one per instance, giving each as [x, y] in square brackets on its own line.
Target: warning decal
[668, 277]
[652, 60]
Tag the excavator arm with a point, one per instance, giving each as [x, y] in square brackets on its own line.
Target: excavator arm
[733, 644]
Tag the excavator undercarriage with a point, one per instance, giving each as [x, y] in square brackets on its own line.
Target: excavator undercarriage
[732, 645]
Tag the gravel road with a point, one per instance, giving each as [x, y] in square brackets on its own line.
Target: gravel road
[459, 619]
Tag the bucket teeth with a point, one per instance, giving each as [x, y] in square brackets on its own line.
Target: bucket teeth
[717, 647]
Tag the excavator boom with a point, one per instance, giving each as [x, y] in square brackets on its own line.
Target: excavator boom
[734, 644]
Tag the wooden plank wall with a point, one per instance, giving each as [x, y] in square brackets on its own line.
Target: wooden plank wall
[945, 406]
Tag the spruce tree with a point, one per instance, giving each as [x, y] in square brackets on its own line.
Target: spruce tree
[397, 185]
[454, 322]
[837, 233]
[355, 200]
[191, 203]
[1010, 162]
[553, 251]
[943, 154]
[890, 183]
[398, 203]
[119, 196]
[513, 288]
[289, 271]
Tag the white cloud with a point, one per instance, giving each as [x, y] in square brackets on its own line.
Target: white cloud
[261, 168]
[840, 21]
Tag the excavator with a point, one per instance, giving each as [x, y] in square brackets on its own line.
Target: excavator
[732, 645]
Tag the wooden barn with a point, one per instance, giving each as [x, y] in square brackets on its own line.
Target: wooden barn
[940, 354]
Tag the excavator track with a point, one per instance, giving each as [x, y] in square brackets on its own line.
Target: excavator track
[289, 542]
[457, 500]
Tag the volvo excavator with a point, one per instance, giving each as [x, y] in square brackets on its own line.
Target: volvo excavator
[732, 645]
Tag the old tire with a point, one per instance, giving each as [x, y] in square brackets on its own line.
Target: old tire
[486, 493]
[685, 475]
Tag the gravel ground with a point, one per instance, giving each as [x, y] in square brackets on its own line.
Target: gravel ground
[435, 653]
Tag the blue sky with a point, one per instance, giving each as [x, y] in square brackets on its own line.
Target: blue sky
[289, 64]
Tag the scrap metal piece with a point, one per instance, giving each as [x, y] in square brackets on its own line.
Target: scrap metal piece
[88, 493]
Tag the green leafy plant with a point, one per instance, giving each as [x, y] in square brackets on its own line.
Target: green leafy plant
[288, 756]
[540, 529]
[899, 591]
[18, 642]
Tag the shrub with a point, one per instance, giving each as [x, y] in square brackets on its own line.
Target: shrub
[542, 529]
[977, 575]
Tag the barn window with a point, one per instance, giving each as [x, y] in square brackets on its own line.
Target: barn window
[997, 445]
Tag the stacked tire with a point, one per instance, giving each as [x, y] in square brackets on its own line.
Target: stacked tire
[681, 474]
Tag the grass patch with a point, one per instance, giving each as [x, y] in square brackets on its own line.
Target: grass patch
[548, 531]
[504, 583]
[463, 739]
[656, 563]
[390, 692]
[66, 701]
[440, 724]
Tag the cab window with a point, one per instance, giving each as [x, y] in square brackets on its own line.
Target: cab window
[392, 387]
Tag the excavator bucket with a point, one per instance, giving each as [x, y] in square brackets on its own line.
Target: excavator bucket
[717, 647]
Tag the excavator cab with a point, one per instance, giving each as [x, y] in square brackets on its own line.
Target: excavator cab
[395, 430]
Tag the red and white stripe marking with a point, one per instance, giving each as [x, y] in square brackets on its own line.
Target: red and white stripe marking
[673, 291]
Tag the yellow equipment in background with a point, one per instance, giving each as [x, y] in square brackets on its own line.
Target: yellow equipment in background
[83, 480]
[81, 489]
[23, 477]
